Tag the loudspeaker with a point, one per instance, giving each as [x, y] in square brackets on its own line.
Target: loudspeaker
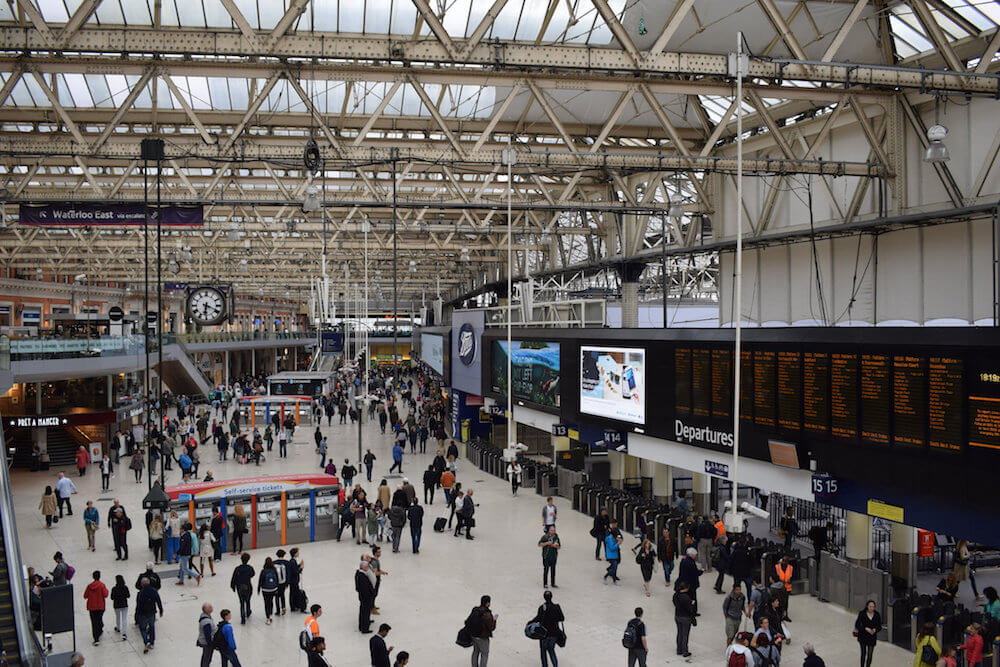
[57, 608]
[151, 149]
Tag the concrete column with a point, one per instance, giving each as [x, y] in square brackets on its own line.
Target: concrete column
[904, 554]
[701, 490]
[616, 461]
[632, 467]
[40, 436]
[646, 471]
[111, 391]
[38, 398]
[859, 539]
[253, 361]
[226, 369]
[663, 483]
[630, 274]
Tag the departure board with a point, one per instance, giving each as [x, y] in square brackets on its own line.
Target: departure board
[701, 382]
[816, 391]
[682, 380]
[789, 390]
[764, 379]
[944, 403]
[875, 387]
[844, 395]
[984, 422]
[722, 383]
[746, 385]
[909, 400]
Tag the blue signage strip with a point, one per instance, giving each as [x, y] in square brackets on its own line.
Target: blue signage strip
[717, 469]
[107, 213]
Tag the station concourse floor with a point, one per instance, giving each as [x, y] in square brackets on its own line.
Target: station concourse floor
[425, 597]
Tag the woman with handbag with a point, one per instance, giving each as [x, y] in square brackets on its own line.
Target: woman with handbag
[927, 649]
[964, 567]
[550, 615]
[866, 629]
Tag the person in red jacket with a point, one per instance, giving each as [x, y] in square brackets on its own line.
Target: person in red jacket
[82, 459]
[95, 594]
[973, 646]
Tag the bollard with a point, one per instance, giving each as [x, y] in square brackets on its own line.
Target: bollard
[913, 628]
[939, 631]
[996, 652]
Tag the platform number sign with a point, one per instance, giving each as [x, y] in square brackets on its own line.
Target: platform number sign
[560, 430]
[823, 485]
[612, 438]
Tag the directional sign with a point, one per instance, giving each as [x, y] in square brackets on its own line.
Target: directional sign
[37, 422]
[115, 313]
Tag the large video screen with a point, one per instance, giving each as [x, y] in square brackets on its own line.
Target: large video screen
[534, 371]
[613, 383]
[432, 351]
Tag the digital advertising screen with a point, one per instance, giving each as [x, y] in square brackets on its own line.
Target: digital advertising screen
[534, 371]
[432, 351]
[613, 383]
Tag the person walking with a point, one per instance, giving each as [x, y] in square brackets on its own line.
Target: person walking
[64, 489]
[377, 649]
[283, 443]
[241, 583]
[348, 472]
[415, 517]
[224, 640]
[281, 567]
[684, 615]
[635, 634]
[82, 459]
[321, 448]
[239, 527]
[866, 628]
[927, 649]
[549, 512]
[431, 479]
[147, 602]
[550, 615]
[734, 608]
[468, 516]
[48, 507]
[137, 464]
[365, 587]
[665, 554]
[481, 624]
[599, 531]
[788, 527]
[720, 560]
[173, 537]
[296, 597]
[514, 472]
[218, 528]
[612, 553]
[267, 586]
[740, 647]
[96, 594]
[186, 551]
[206, 632]
[119, 601]
[369, 461]
[107, 468]
[120, 524]
[397, 458]
[645, 558]
[397, 519]
[689, 572]
[206, 548]
[550, 545]
[156, 537]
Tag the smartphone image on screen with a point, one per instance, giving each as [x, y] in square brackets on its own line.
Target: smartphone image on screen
[628, 382]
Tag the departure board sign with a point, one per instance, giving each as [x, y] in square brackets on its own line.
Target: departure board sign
[789, 390]
[844, 395]
[816, 391]
[944, 403]
[746, 385]
[875, 398]
[764, 377]
[722, 384]
[682, 380]
[984, 405]
[701, 382]
[909, 400]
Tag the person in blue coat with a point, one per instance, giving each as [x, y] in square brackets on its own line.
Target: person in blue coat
[397, 458]
[612, 553]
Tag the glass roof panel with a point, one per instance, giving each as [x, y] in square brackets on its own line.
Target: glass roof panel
[62, 90]
[377, 15]
[506, 21]
[99, 91]
[163, 97]
[991, 9]
[5, 13]
[324, 15]
[168, 13]
[200, 98]
[404, 17]
[218, 87]
[239, 94]
[410, 105]
[109, 12]
[20, 94]
[118, 86]
[277, 99]
[456, 17]
[54, 11]
[78, 88]
[215, 14]
[973, 15]
[559, 25]
[270, 12]
[145, 99]
[137, 12]
[351, 15]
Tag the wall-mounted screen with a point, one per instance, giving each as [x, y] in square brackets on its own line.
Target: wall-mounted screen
[613, 383]
[432, 351]
[534, 371]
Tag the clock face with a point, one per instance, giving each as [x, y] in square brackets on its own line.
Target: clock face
[207, 305]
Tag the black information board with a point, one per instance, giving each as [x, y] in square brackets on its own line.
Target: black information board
[909, 400]
[764, 378]
[875, 398]
[722, 384]
[844, 395]
[789, 390]
[701, 382]
[816, 392]
[682, 380]
[944, 403]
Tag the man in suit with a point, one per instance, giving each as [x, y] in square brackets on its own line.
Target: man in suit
[366, 596]
[377, 648]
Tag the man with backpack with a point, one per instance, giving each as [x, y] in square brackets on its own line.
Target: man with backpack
[738, 654]
[242, 584]
[281, 567]
[550, 616]
[225, 642]
[480, 624]
[733, 610]
[187, 549]
[634, 640]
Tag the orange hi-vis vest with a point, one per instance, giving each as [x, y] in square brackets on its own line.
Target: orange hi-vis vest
[720, 529]
[312, 625]
[785, 575]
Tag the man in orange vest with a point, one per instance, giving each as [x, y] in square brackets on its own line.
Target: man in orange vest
[784, 571]
[720, 527]
[312, 624]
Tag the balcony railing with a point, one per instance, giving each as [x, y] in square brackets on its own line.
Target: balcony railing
[237, 336]
[33, 349]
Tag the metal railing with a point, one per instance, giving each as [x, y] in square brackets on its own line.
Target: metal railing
[237, 336]
[73, 348]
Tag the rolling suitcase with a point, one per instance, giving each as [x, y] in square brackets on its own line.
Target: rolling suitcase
[300, 602]
[439, 524]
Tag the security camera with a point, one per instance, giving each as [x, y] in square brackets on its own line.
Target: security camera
[621, 448]
[756, 511]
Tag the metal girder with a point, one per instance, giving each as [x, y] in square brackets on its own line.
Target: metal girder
[497, 114]
[781, 27]
[481, 29]
[436, 113]
[989, 53]
[937, 36]
[845, 28]
[671, 26]
[192, 116]
[383, 103]
[76, 21]
[618, 30]
[126, 104]
[241, 22]
[254, 106]
[943, 172]
[487, 60]
[436, 27]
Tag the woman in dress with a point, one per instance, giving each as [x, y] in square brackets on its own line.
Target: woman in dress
[645, 557]
[206, 550]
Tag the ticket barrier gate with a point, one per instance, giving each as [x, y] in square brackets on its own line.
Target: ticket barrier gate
[298, 516]
[268, 520]
[529, 473]
[325, 515]
[579, 492]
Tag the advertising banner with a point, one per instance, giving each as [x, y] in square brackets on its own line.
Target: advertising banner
[466, 352]
[253, 485]
[65, 214]
[612, 383]
[432, 351]
[534, 371]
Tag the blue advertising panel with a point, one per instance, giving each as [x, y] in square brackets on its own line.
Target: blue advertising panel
[107, 213]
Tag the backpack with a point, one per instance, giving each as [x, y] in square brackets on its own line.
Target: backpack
[474, 623]
[928, 654]
[737, 660]
[630, 639]
[185, 547]
[70, 571]
[280, 569]
[714, 552]
[305, 640]
[269, 579]
[219, 642]
[535, 630]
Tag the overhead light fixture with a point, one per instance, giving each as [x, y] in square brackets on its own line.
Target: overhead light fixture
[311, 202]
[676, 209]
[936, 150]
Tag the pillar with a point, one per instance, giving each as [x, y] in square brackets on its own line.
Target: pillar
[632, 467]
[630, 274]
[904, 554]
[38, 398]
[616, 461]
[646, 471]
[226, 369]
[253, 361]
[663, 483]
[859, 539]
[701, 491]
[111, 391]
[559, 444]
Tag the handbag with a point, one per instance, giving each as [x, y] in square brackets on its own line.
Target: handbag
[561, 636]
[464, 638]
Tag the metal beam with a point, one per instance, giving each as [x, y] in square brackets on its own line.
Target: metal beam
[553, 116]
[192, 116]
[436, 113]
[383, 103]
[76, 21]
[436, 27]
[781, 27]
[497, 114]
[254, 106]
[618, 30]
[35, 16]
[936, 35]
[671, 26]
[845, 28]
[54, 101]
[126, 104]
[241, 22]
[481, 29]
[943, 173]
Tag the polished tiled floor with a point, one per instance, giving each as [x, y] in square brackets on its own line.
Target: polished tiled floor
[425, 597]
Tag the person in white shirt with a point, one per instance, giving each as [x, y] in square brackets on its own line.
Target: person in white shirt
[514, 471]
[64, 489]
[741, 646]
[548, 514]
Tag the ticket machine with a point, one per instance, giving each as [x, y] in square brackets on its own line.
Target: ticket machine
[229, 505]
[267, 520]
[326, 521]
[298, 516]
